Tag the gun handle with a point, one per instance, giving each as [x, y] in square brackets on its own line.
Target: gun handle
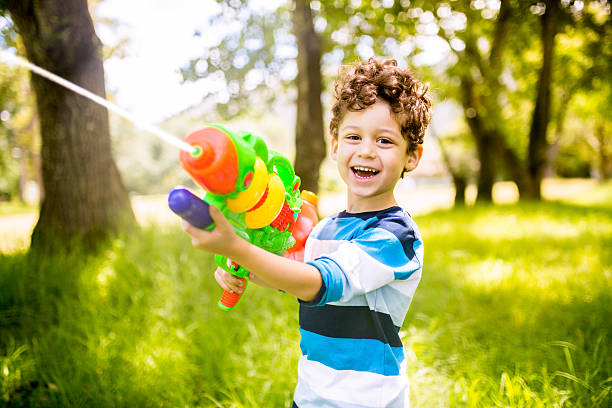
[230, 299]
[191, 208]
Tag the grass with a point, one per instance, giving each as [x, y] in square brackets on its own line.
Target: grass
[16, 207]
[513, 311]
[514, 308]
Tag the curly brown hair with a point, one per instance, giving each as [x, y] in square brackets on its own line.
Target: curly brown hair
[364, 83]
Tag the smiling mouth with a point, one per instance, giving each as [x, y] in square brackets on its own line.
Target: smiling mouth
[364, 172]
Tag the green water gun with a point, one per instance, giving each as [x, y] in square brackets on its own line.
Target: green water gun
[254, 187]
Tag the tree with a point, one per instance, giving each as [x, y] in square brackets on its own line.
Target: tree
[19, 135]
[592, 92]
[309, 134]
[84, 195]
[270, 51]
[496, 67]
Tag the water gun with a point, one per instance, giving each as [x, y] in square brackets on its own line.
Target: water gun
[255, 188]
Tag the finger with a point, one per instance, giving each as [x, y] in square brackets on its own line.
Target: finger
[221, 281]
[198, 236]
[186, 225]
[190, 229]
[219, 218]
[234, 283]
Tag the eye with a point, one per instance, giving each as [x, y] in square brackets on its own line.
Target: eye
[352, 136]
[384, 140]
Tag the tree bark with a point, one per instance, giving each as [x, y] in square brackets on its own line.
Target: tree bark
[309, 134]
[484, 144]
[84, 196]
[538, 145]
[461, 184]
[459, 178]
[603, 143]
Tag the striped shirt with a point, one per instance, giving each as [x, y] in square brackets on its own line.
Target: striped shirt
[352, 355]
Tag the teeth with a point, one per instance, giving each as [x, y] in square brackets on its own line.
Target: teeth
[365, 169]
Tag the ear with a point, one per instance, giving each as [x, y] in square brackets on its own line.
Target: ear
[334, 148]
[413, 158]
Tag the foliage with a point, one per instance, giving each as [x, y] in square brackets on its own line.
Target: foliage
[255, 56]
[511, 312]
[19, 139]
[500, 58]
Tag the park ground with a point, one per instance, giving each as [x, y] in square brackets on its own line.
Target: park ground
[18, 221]
[513, 310]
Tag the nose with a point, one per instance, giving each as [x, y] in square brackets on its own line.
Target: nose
[366, 148]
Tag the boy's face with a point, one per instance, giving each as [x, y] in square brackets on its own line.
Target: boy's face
[371, 155]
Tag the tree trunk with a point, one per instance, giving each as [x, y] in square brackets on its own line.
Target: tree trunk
[486, 175]
[541, 114]
[555, 146]
[484, 143]
[516, 168]
[460, 183]
[459, 178]
[309, 134]
[84, 196]
[603, 143]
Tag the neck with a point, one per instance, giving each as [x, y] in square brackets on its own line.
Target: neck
[372, 203]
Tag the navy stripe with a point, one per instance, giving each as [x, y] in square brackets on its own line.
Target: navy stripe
[402, 227]
[383, 246]
[353, 322]
[394, 220]
[369, 214]
[294, 405]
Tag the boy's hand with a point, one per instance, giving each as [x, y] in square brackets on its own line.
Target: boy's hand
[228, 281]
[220, 240]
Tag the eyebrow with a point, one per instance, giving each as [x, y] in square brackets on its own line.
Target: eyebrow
[385, 130]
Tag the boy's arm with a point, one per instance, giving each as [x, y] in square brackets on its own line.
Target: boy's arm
[299, 279]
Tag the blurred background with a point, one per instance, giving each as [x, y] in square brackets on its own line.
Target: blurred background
[521, 95]
[512, 194]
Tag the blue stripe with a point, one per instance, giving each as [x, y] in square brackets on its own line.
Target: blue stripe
[404, 275]
[343, 229]
[382, 246]
[414, 265]
[352, 354]
[390, 236]
[331, 273]
[403, 227]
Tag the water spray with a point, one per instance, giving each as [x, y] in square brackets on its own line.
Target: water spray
[167, 137]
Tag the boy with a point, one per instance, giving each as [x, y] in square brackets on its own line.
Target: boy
[362, 265]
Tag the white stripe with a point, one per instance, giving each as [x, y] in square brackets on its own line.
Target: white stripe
[353, 260]
[320, 386]
[356, 263]
[395, 296]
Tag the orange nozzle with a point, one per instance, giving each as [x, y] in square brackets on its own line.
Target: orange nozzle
[214, 163]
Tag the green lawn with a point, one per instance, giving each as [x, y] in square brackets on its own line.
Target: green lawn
[514, 310]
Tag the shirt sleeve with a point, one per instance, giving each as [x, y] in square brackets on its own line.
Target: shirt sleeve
[374, 259]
